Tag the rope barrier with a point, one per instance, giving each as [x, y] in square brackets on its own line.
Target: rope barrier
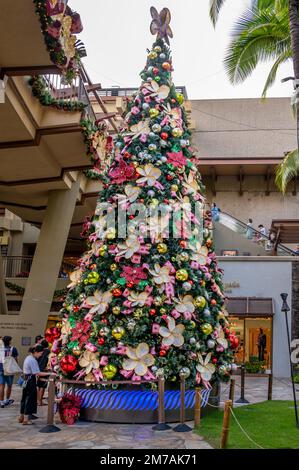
[243, 430]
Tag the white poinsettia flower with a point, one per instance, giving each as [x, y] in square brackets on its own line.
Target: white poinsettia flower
[200, 253]
[75, 277]
[66, 328]
[89, 360]
[190, 183]
[185, 304]
[139, 359]
[129, 247]
[149, 174]
[142, 127]
[99, 302]
[156, 90]
[174, 114]
[205, 367]
[138, 298]
[161, 274]
[173, 335]
[221, 340]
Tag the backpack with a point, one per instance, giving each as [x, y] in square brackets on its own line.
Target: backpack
[10, 365]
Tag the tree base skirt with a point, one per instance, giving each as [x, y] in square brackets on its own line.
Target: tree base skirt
[131, 404]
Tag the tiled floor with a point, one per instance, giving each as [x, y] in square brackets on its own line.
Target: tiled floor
[111, 436]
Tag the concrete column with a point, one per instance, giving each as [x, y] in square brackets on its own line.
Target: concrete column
[3, 302]
[45, 268]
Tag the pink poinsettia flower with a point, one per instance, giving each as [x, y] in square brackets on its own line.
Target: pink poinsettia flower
[132, 274]
[176, 159]
[121, 173]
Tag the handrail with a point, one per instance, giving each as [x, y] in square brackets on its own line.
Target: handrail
[280, 246]
[19, 266]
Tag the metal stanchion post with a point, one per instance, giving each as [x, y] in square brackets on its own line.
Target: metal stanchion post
[182, 427]
[161, 426]
[197, 407]
[242, 398]
[270, 385]
[50, 427]
[232, 390]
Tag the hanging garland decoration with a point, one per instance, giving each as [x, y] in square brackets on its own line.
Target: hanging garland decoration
[20, 290]
[59, 25]
[99, 147]
[39, 90]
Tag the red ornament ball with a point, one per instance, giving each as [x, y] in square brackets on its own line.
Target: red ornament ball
[131, 217]
[130, 284]
[68, 364]
[183, 243]
[76, 308]
[164, 135]
[116, 292]
[152, 311]
[214, 360]
[155, 70]
[169, 177]
[162, 353]
[213, 302]
[105, 321]
[101, 341]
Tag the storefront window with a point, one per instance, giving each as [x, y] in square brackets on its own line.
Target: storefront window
[253, 347]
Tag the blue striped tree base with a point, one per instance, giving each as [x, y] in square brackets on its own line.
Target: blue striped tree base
[132, 404]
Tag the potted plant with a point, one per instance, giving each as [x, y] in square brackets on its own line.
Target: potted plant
[69, 408]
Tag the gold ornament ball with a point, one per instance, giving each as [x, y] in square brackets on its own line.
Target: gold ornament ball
[153, 55]
[116, 310]
[109, 371]
[180, 98]
[58, 325]
[192, 324]
[162, 248]
[102, 250]
[76, 351]
[157, 49]
[174, 187]
[177, 132]
[153, 112]
[113, 267]
[206, 328]
[162, 311]
[200, 302]
[184, 256]
[181, 275]
[118, 332]
[111, 234]
[138, 312]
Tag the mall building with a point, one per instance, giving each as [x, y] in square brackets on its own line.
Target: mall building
[45, 194]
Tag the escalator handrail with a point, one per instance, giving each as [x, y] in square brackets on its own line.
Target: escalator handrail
[266, 237]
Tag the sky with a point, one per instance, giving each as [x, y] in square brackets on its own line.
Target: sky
[116, 35]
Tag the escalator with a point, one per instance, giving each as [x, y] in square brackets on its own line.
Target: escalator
[233, 235]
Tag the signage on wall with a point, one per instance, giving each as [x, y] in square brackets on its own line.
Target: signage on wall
[229, 286]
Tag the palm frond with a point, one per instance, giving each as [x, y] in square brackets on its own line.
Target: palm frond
[215, 7]
[287, 170]
[273, 72]
[258, 36]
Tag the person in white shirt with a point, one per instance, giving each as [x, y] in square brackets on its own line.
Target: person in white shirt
[29, 396]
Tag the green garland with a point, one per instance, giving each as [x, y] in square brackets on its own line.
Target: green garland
[39, 90]
[20, 290]
[54, 47]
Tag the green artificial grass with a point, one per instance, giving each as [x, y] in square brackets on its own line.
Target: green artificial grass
[271, 424]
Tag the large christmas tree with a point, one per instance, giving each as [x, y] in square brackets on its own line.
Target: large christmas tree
[147, 296]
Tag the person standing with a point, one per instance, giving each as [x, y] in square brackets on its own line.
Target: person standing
[215, 212]
[42, 362]
[249, 229]
[261, 344]
[6, 350]
[31, 372]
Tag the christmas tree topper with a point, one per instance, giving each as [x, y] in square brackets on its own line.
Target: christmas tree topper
[160, 24]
